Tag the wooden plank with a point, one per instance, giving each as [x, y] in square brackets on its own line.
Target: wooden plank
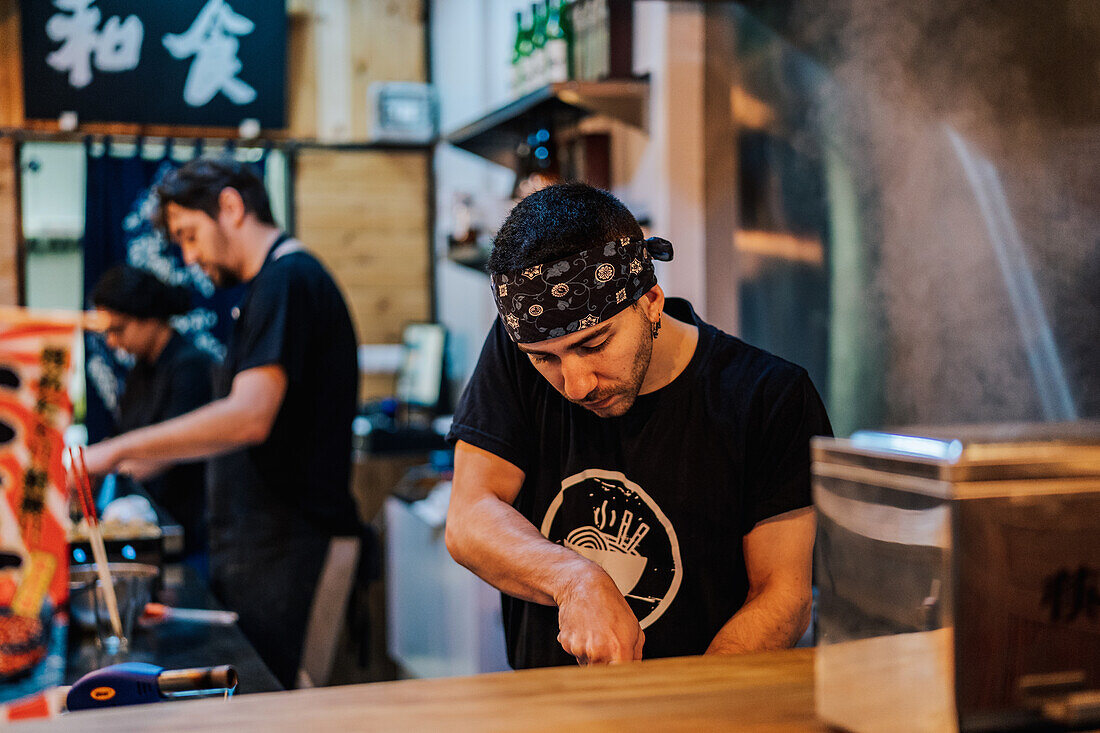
[11, 66]
[366, 241]
[758, 692]
[397, 161]
[11, 228]
[388, 45]
[380, 315]
[364, 214]
[126, 129]
[301, 72]
[334, 101]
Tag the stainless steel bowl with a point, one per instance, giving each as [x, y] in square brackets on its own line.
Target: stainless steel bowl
[133, 588]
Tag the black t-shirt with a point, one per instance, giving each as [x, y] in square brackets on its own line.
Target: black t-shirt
[180, 380]
[660, 497]
[296, 481]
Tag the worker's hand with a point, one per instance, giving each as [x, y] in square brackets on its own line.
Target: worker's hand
[101, 458]
[596, 624]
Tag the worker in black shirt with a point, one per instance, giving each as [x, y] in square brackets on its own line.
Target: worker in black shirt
[635, 481]
[280, 428]
[170, 376]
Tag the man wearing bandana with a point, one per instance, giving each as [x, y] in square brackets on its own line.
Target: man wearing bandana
[634, 481]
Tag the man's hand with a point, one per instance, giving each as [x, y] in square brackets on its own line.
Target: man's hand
[101, 458]
[596, 624]
[486, 534]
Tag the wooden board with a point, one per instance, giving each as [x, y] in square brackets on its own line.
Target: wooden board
[301, 74]
[337, 49]
[365, 214]
[11, 228]
[388, 45]
[11, 65]
[760, 692]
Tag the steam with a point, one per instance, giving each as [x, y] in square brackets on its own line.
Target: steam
[984, 242]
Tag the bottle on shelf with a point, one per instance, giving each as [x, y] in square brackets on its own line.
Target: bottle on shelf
[559, 40]
[557, 45]
[538, 46]
[464, 234]
[578, 16]
[517, 81]
[601, 44]
[527, 57]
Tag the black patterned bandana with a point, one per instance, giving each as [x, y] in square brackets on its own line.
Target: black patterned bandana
[579, 291]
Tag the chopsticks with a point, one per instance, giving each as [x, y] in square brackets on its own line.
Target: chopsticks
[95, 537]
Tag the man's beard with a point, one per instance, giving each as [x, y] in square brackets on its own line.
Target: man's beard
[627, 391]
[223, 277]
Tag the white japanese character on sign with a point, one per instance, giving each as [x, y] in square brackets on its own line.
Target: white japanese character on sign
[212, 40]
[117, 46]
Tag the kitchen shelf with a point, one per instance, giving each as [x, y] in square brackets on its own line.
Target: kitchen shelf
[476, 258]
[498, 133]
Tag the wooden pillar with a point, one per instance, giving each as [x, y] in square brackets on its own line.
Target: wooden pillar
[11, 229]
[11, 66]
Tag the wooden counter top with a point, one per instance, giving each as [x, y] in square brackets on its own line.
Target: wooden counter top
[771, 691]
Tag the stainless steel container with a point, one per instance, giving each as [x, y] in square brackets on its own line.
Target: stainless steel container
[958, 573]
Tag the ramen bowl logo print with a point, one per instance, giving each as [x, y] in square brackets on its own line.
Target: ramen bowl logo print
[612, 521]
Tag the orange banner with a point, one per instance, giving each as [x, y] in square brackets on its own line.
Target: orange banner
[35, 369]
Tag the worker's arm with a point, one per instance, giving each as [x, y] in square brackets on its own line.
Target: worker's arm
[778, 558]
[244, 417]
[488, 536]
[140, 470]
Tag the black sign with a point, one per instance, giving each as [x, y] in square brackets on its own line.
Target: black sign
[173, 62]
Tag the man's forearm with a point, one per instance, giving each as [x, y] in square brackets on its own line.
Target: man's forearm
[774, 619]
[499, 545]
[220, 427]
[595, 623]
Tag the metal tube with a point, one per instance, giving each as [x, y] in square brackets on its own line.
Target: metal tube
[175, 681]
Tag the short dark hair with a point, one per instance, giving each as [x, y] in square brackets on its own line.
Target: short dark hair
[198, 183]
[556, 222]
[135, 292]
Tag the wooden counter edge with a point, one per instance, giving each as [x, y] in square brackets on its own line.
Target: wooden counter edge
[771, 690]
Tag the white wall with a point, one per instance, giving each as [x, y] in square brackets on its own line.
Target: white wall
[53, 193]
[471, 43]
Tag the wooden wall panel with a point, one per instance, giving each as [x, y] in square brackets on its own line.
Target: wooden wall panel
[10, 225]
[351, 43]
[301, 73]
[11, 66]
[365, 214]
[388, 39]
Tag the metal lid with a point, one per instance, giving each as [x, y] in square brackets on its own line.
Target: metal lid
[993, 452]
